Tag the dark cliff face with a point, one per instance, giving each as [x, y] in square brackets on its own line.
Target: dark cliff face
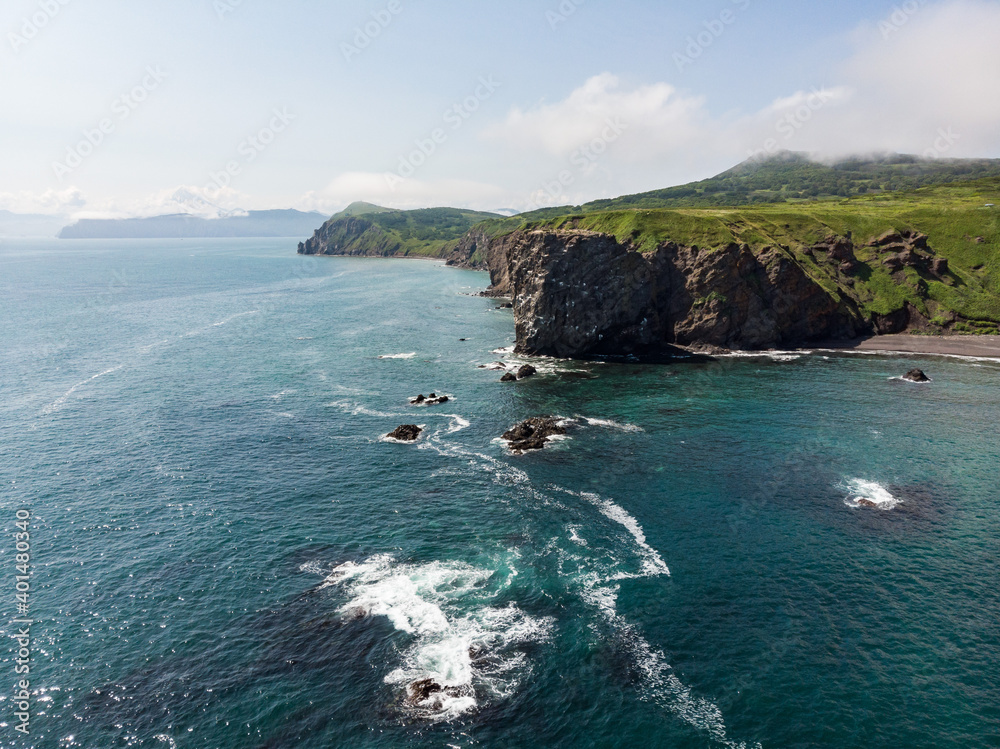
[471, 251]
[349, 236]
[579, 293]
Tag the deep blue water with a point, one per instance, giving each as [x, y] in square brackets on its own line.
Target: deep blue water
[226, 553]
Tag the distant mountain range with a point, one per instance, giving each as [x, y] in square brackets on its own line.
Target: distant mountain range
[276, 223]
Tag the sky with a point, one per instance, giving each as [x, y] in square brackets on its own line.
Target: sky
[114, 108]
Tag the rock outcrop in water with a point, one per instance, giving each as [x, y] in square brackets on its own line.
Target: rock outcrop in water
[533, 434]
[579, 293]
[916, 375]
[432, 400]
[406, 433]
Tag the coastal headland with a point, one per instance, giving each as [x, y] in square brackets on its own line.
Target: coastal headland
[641, 275]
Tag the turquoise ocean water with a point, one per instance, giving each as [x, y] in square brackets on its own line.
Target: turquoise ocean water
[226, 553]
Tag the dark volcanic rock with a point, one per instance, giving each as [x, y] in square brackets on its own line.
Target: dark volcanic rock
[419, 691]
[526, 371]
[580, 293]
[532, 434]
[427, 694]
[433, 400]
[916, 375]
[509, 377]
[407, 433]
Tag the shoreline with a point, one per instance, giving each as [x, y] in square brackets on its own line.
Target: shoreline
[975, 347]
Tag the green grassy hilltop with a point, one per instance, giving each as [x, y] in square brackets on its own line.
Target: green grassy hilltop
[366, 229]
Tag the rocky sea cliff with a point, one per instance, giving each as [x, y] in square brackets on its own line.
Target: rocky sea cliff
[580, 293]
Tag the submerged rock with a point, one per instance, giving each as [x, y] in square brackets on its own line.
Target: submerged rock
[916, 375]
[407, 433]
[420, 691]
[533, 434]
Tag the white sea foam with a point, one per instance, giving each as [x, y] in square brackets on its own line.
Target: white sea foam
[780, 356]
[660, 685]
[609, 424]
[399, 356]
[356, 409]
[652, 563]
[61, 400]
[440, 654]
[469, 650]
[864, 493]
[233, 317]
[314, 568]
[458, 423]
[911, 354]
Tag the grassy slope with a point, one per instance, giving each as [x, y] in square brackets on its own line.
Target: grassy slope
[792, 177]
[952, 215]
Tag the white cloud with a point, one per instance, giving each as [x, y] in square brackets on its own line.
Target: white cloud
[49, 202]
[939, 68]
[656, 112]
[905, 81]
[194, 201]
[392, 192]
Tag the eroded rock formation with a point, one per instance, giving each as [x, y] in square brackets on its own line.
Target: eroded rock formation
[579, 293]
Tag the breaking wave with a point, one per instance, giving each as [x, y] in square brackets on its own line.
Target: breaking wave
[869, 494]
[464, 651]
